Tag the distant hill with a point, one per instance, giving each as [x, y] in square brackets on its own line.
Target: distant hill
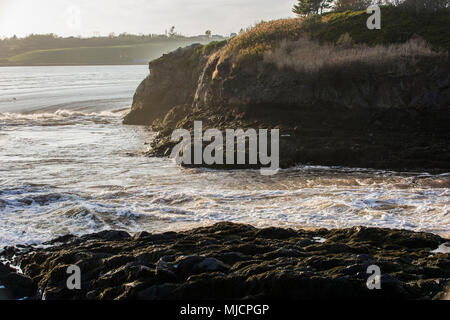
[93, 51]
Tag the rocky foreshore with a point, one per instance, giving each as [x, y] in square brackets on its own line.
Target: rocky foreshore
[231, 261]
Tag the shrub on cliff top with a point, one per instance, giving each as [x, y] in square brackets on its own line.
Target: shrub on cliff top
[262, 36]
[212, 46]
[398, 26]
[308, 56]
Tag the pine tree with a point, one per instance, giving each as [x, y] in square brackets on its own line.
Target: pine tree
[307, 7]
[343, 5]
[303, 8]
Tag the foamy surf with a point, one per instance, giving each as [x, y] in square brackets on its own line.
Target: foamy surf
[60, 117]
[78, 170]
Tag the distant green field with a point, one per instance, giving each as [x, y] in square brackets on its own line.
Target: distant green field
[113, 55]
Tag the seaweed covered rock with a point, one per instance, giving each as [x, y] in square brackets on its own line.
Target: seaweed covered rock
[234, 261]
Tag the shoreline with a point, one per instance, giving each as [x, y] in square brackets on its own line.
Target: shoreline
[233, 261]
[296, 227]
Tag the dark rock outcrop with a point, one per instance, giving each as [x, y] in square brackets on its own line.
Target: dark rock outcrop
[348, 116]
[233, 261]
[14, 285]
[167, 92]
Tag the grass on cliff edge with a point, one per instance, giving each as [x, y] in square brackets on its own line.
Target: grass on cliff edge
[398, 26]
[307, 56]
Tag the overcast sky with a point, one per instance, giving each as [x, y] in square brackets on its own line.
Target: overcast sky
[84, 17]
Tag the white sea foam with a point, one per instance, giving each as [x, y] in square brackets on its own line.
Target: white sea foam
[60, 118]
[443, 248]
[78, 170]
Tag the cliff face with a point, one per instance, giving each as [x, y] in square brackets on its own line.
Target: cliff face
[172, 81]
[393, 114]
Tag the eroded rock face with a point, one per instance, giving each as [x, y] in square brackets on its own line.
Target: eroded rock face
[232, 261]
[345, 117]
[158, 93]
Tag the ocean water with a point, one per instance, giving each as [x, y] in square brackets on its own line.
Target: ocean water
[68, 165]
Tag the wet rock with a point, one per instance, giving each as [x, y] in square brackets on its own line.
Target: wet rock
[305, 243]
[283, 253]
[62, 239]
[108, 236]
[276, 233]
[14, 285]
[165, 272]
[142, 236]
[232, 257]
[191, 265]
[234, 261]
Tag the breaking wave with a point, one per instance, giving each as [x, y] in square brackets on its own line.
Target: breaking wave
[73, 168]
[60, 117]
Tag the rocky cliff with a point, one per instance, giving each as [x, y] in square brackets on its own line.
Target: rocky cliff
[381, 107]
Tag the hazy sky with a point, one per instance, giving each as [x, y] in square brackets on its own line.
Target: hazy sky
[84, 17]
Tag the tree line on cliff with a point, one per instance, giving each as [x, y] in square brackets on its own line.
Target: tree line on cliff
[307, 7]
